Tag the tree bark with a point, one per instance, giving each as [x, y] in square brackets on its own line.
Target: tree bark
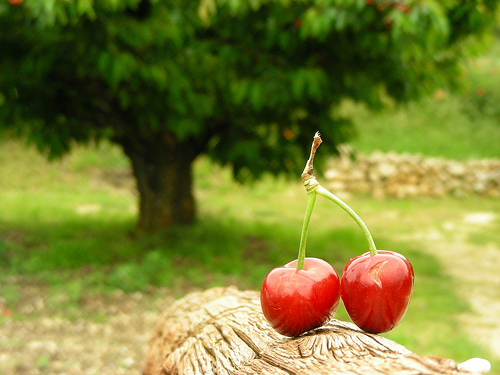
[162, 167]
[222, 331]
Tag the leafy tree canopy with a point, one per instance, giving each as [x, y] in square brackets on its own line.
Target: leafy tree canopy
[247, 82]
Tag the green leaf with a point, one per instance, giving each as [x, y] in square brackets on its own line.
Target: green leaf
[256, 96]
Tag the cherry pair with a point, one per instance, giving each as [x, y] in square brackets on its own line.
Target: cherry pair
[376, 287]
[376, 291]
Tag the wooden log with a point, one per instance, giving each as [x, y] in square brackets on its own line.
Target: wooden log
[223, 331]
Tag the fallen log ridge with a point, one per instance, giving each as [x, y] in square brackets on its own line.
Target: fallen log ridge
[223, 331]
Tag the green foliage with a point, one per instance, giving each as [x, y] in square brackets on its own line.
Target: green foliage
[224, 74]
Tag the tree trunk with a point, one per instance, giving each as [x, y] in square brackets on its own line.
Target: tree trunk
[222, 331]
[162, 168]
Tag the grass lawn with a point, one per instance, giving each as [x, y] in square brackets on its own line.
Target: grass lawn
[449, 125]
[69, 232]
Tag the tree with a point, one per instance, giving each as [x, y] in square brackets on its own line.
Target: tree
[247, 82]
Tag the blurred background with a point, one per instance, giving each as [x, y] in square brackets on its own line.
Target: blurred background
[152, 148]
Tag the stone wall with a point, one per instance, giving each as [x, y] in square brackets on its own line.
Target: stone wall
[391, 175]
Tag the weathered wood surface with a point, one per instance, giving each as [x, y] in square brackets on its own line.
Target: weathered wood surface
[222, 331]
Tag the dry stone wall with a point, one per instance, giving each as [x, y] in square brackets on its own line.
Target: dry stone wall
[391, 175]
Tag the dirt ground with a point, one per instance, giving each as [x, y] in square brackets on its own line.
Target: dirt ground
[115, 339]
[478, 266]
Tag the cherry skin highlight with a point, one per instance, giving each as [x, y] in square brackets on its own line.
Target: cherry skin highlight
[377, 289]
[295, 300]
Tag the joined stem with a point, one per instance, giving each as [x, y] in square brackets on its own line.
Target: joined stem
[313, 187]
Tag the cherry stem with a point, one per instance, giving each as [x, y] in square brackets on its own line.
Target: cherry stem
[371, 244]
[311, 198]
[310, 183]
[313, 187]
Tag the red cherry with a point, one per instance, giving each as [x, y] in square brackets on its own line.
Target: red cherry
[376, 290]
[15, 2]
[295, 300]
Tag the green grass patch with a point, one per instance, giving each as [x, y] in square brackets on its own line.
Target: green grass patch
[242, 233]
[460, 125]
[430, 126]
